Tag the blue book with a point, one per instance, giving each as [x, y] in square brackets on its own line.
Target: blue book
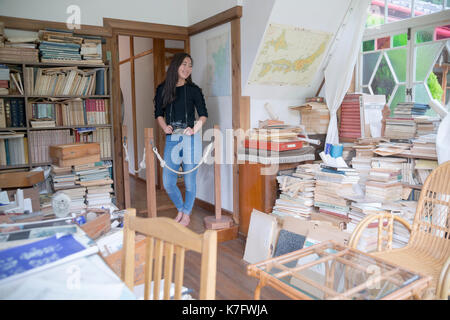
[24, 258]
[21, 113]
[14, 113]
[8, 160]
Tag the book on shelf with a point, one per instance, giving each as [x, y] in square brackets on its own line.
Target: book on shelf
[42, 139]
[13, 149]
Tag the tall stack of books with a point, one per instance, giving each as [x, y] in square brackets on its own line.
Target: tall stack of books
[96, 177]
[332, 186]
[361, 162]
[350, 119]
[384, 182]
[297, 195]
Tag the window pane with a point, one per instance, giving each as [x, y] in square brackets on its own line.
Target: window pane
[399, 96]
[421, 96]
[369, 62]
[398, 61]
[424, 35]
[442, 32]
[376, 14]
[368, 45]
[425, 57]
[398, 10]
[366, 90]
[383, 43]
[400, 40]
[423, 7]
[383, 82]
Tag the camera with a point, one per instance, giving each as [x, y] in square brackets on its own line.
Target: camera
[178, 127]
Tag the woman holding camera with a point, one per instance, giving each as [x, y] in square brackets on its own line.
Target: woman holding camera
[176, 100]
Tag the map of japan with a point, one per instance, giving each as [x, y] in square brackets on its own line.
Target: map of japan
[289, 56]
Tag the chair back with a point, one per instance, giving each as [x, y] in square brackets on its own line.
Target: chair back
[430, 230]
[168, 240]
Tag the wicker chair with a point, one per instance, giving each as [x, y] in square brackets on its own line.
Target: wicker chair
[428, 249]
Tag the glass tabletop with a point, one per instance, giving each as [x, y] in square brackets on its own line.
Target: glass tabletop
[331, 271]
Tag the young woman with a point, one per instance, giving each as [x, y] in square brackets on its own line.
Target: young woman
[176, 100]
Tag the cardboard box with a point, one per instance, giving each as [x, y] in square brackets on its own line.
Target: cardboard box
[20, 179]
[74, 151]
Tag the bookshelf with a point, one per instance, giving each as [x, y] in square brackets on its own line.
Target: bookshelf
[105, 123]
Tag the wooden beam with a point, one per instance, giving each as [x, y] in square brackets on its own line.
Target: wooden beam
[36, 25]
[236, 100]
[135, 27]
[150, 173]
[139, 55]
[133, 105]
[159, 73]
[214, 21]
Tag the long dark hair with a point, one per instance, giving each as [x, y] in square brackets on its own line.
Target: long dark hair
[170, 84]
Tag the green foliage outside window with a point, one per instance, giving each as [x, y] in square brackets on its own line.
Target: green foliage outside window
[434, 86]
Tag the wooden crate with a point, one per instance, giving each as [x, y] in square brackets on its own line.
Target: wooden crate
[20, 179]
[77, 161]
[97, 227]
[74, 151]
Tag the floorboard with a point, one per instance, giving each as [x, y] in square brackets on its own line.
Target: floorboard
[232, 282]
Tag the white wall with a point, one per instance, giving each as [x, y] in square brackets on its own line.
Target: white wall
[320, 15]
[199, 10]
[172, 12]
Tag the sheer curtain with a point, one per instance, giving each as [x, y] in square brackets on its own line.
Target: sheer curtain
[338, 72]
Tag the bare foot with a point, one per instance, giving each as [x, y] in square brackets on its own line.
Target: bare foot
[185, 220]
[179, 216]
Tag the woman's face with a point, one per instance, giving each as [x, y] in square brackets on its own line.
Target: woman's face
[185, 69]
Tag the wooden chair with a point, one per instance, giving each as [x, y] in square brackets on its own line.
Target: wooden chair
[428, 249]
[166, 239]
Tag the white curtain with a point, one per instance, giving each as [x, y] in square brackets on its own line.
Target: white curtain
[338, 72]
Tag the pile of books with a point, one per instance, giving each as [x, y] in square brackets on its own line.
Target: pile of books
[97, 178]
[314, 116]
[332, 187]
[410, 110]
[350, 119]
[62, 178]
[4, 79]
[91, 50]
[76, 195]
[400, 128]
[59, 46]
[426, 125]
[297, 196]
[18, 54]
[424, 145]
[384, 183]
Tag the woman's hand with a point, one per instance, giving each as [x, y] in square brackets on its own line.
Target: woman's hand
[168, 129]
[188, 131]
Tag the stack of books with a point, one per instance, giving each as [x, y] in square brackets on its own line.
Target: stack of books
[332, 187]
[297, 196]
[96, 175]
[384, 183]
[424, 146]
[384, 191]
[62, 178]
[426, 125]
[14, 55]
[350, 119]
[400, 128]
[77, 199]
[91, 50]
[59, 46]
[98, 195]
[314, 116]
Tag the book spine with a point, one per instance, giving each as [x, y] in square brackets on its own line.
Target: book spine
[2, 114]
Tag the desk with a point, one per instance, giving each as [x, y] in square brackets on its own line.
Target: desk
[329, 271]
[258, 185]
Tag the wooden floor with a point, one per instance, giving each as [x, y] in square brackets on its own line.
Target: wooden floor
[232, 281]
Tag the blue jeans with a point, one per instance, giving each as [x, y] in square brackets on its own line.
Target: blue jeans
[185, 151]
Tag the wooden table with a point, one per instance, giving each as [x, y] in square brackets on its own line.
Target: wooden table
[329, 271]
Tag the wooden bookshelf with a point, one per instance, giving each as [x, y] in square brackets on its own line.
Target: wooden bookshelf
[31, 98]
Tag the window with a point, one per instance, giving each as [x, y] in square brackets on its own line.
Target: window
[408, 63]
